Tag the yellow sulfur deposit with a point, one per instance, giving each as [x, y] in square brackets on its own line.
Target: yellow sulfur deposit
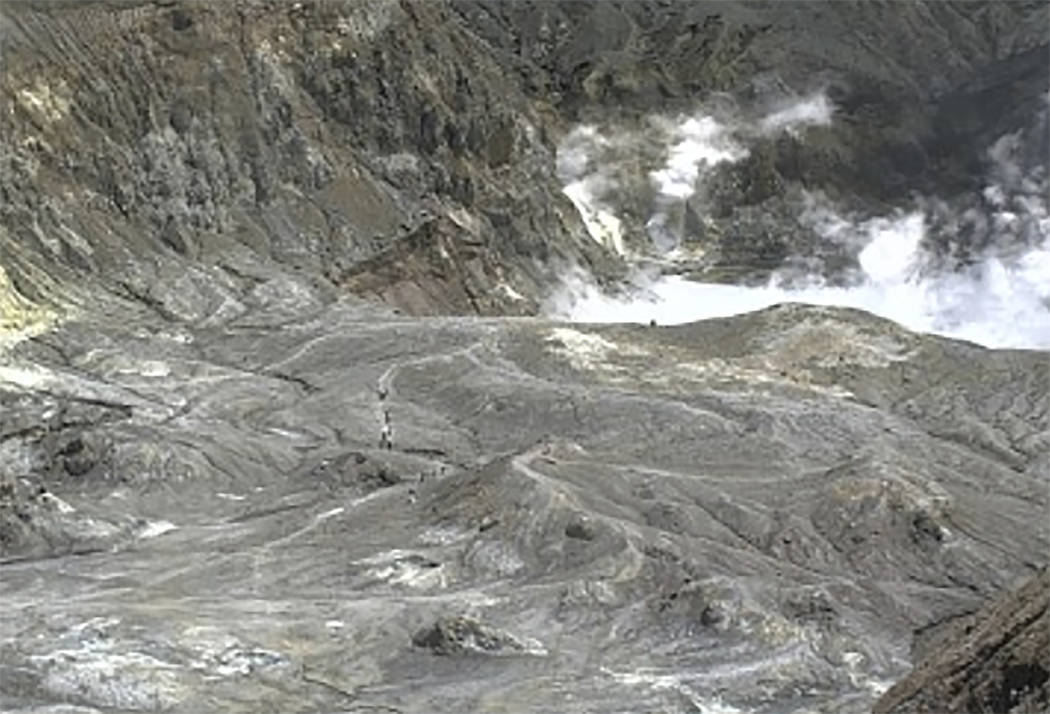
[19, 317]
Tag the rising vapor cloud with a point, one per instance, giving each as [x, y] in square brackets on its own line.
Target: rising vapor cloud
[980, 271]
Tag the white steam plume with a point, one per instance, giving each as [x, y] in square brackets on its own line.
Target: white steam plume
[699, 144]
[591, 164]
[993, 288]
[814, 110]
[997, 301]
[586, 186]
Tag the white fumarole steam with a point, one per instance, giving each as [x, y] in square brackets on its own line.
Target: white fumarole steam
[587, 185]
[1002, 299]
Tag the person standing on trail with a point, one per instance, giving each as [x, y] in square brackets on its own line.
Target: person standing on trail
[386, 433]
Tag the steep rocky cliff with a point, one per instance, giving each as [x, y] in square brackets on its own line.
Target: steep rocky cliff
[185, 154]
[919, 90]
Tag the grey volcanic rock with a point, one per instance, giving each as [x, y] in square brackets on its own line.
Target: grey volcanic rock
[758, 510]
[995, 660]
[890, 68]
[215, 151]
[463, 635]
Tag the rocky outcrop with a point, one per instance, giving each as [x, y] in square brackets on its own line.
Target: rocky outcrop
[994, 660]
[269, 143]
[464, 635]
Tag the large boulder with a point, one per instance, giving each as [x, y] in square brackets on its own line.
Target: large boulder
[994, 660]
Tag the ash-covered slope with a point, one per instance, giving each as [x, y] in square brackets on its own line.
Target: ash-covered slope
[756, 511]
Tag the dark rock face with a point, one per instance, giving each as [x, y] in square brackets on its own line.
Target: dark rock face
[995, 660]
[259, 137]
[890, 69]
[464, 635]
